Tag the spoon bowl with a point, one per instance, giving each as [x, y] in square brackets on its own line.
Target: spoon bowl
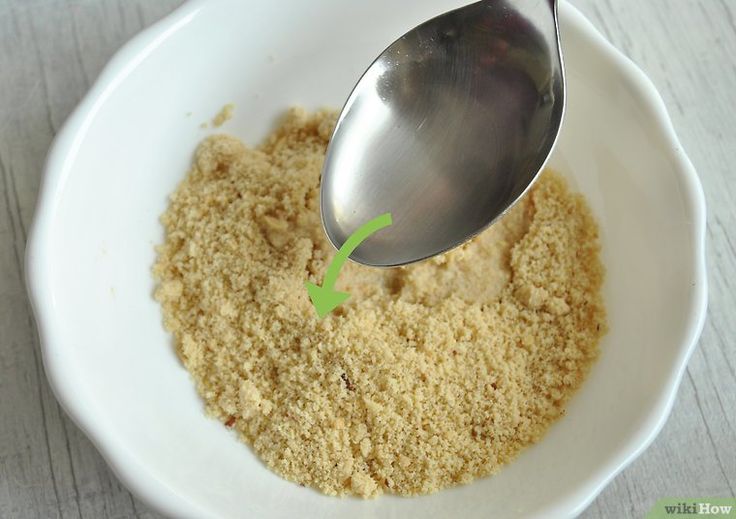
[446, 130]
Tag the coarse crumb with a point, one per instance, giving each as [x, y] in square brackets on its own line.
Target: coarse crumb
[223, 115]
[427, 377]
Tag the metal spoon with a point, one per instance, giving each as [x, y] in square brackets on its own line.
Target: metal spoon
[446, 129]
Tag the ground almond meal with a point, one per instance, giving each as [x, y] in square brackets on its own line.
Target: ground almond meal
[428, 376]
[223, 115]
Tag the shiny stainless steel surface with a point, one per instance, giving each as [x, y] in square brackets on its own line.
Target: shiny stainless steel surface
[446, 130]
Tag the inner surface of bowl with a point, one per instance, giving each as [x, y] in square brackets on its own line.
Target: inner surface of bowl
[113, 365]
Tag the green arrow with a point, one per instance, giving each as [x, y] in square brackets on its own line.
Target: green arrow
[325, 298]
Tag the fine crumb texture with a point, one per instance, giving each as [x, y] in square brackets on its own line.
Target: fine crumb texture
[429, 376]
[224, 115]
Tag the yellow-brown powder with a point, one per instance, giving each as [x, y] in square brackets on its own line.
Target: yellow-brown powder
[224, 115]
[429, 376]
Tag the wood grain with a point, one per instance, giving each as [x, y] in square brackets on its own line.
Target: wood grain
[50, 51]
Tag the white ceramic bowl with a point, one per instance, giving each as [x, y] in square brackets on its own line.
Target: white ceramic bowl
[113, 368]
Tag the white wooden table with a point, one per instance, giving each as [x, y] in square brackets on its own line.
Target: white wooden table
[50, 50]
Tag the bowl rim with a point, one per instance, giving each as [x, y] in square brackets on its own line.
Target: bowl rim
[157, 494]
